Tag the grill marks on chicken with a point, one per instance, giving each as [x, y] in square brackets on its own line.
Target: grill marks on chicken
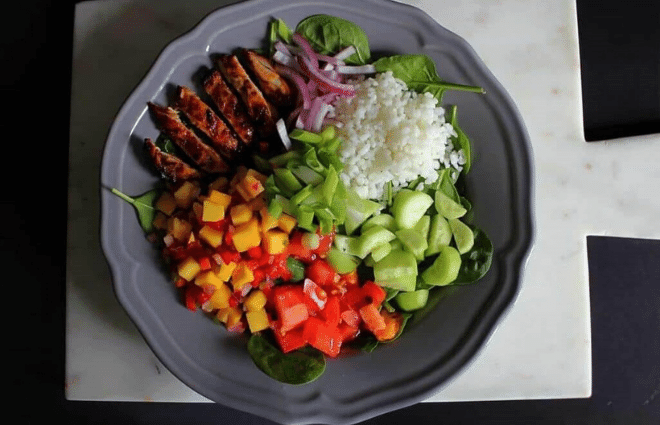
[262, 112]
[242, 113]
[230, 106]
[171, 166]
[202, 154]
[207, 121]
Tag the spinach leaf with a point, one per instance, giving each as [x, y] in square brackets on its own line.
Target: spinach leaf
[476, 262]
[366, 342]
[330, 34]
[436, 293]
[461, 139]
[446, 185]
[297, 367]
[419, 74]
[144, 206]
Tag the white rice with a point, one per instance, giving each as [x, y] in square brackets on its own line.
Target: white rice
[393, 134]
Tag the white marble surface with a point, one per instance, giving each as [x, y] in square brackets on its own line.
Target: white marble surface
[541, 348]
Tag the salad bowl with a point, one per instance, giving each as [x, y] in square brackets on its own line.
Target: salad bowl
[357, 386]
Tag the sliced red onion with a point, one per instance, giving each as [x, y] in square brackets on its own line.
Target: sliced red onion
[345, 53]
[362, 69]
[299, 81]
[307, 50]
[283, 59]
[284, 134]
[280, 46]
[325, 82]
[317, 125]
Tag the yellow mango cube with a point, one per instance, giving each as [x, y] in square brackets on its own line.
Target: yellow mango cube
[160, 221]
[241, 276]
[188, 269]
[219, 198]
[247, 235]
[166, 203]
[251, 186]
[212, 211]
[255, 301]
[267, 221]
[179, 229]
[240, 214]
[257, 320]
[257, 175]
[241, 172]
[198, 209]
[211, 236]
[220, 298]
[257, 203]
[219, 184]
[275, 241]
[230, 316]
[208, 278]
[286, 222]
[185, 194]
[225, 271]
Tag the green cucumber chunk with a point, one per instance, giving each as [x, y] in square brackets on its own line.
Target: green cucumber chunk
[384, 220]
[414, 300]
[439, 235]
[373, 237]
[342, 263]
[444, 269]
[346, 244]
[463, 235]
[397, 270]
[358, 210]
[381, 251]
[405, 283]
[409, 206]
[423, 226]
[447, 207]
[413, 241]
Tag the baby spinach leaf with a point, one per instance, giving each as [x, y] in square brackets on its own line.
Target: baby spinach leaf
[330, 34]
[461, 139]
[366, 342]
[419, 74]
[143, 205]
[476, 262]
[297, 367]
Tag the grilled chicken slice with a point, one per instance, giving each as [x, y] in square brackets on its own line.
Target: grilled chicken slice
[170, 166]
[202, 154]
[207, 121]
[274, 87]
[229, 106]
[262, 112]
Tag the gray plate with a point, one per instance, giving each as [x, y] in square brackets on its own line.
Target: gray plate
[215, 363]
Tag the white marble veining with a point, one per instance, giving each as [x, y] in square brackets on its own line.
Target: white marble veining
[541, 348]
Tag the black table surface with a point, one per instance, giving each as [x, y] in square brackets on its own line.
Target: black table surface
[620, 54]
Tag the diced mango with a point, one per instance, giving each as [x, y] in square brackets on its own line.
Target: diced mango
[208, 278]
[240, 214]
[286, 222]
[220, 298]
[188, 269]
[275, 241]
[251, 186]
[247, 235]
[267, 221]
[241, 172]
[179, 229]
[225, 271]
[257, 320]
[219, 184]
[241, 276]
[230, 316]
[211, 236]
[245, 195]
[198, 209]
[160, 221]
[219, 198]
[257, 203]
[212, 211]
[255, 301]
[257, 175]
[185, 194]
[166, 203]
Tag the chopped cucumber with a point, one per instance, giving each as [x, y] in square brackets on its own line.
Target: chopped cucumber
[423, 226]
[405, 283]
[447, 206]
[346, 244]
[439, 235]
[463, 235]
[384, 220]
[394, 265]
[358, 210]
[413, 300]
[373, 237]
[409, 206]
[381, 251]
[444, 269]
[342, 263]
[413, 241]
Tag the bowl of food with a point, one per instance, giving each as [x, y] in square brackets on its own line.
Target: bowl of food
[296, 219]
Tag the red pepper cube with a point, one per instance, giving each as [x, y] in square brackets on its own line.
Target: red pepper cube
[325, 242]
[255, 252]
[322, 336]
[298, 250]
[372, 318]
[373, 293]
[331, 313]
[348, 332]
[290, 306]
[289, 341]
[315, 296]
[205, 263]
[354, 297]
[321, 272]
[350, 317]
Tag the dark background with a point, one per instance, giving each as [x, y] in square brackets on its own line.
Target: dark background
[620, 53]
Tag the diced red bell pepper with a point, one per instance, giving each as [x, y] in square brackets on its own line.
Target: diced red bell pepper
[195, 296]
[350, 317]
[259, 276]
[350, 278]
[393, 322]
[325, 242]
[331, 313]
[229, 235]
[321, 272]
[289, 341]
[229, 255]
[290, 306]
[205, 263]
[372, 318]
[354, 297]
[219, 225]
[255, 252]
[348, 332]
[315, 296]
[373, 293]
[297, 249]
[322, 336]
